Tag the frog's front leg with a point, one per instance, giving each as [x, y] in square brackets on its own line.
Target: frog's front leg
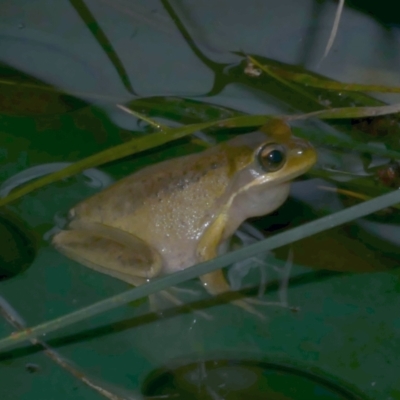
[215, 282]
[110, 251]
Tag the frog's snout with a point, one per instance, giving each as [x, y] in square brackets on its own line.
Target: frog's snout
[303, 149]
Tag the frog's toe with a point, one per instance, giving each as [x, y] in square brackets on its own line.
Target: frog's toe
[243, 304]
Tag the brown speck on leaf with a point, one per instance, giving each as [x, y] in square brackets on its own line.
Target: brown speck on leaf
[376, 126]
[251, 70]
[390, 175]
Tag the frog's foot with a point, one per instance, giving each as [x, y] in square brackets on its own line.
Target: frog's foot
[175, 301]
[216, 284]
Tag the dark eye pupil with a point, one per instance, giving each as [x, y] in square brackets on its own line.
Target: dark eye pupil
[275, 157]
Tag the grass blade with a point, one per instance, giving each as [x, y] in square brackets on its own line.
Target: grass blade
[177, 278]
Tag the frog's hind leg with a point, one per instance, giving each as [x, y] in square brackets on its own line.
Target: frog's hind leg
[115, 253]
[109, 251]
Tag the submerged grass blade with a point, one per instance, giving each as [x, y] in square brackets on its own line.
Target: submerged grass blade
[348, 112]
[91, 23]
[293, 86]
[46, 88]
[327, 84]
[164, 136]
[323, 96]
[144, 118]
[177, 278]
[114, 153]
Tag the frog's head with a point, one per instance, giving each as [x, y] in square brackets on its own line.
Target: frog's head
[262, 167]
[282, 157]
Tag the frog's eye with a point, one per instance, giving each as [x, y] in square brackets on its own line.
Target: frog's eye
[271, 157]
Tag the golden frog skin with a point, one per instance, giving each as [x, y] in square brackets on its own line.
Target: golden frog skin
[172, 215]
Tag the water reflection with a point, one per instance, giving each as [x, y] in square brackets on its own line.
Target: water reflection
[242, 379]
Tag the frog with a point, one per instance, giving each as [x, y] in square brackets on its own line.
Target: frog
[180, 212]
